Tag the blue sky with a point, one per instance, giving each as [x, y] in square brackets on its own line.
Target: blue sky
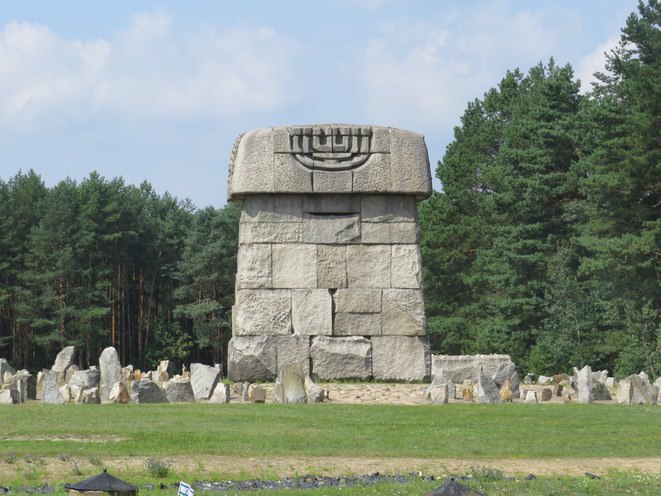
[158, 90]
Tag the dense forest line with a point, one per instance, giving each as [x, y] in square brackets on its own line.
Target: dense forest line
[544, 243]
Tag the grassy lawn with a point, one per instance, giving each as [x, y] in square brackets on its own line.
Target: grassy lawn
[33, 434]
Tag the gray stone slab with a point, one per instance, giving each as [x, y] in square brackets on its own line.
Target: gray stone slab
[406, 267]
[331, 204]
[403, 313]
[179, 391]
[262, 312]
[331, 229]
[312, 312]
[146, 391]
[272, 208]
[331, 266]
[341, 358]
[251, 358]
[389, 232]
[221, 393]
[357, 300]
[63, 360]
[389, 208]
[400, 358]
[203, 380]
[290, 177]
[110, 369]
[50, 392]
[252, 167]
[374, 176]
[254, 266]
[293, 350]
[295, 266]
[357, 324]
[409, 164]
[332, 182]
[380, 142]
[368, 266]
[270, 232]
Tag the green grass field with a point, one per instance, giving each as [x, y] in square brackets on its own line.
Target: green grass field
[33, 435]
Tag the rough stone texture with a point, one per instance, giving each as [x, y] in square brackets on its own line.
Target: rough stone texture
[341, 358]
[290, 385]
[486, 390]
[357, 300]
[312, 312]
[119, 394]
[438, 394]
[89, 396]
[110, 369]
[5, 367]
[262, 312]
[146, 391]
[314, 393]
[633, 390]
[368, 266]
[400, 358]
[63, 360]
[328, 241]
[547, 394]
[179, 391]
[490, 364]
[252, 358]
[357, 324]
[203, 379]
[506, 372]
[583, 382]
[531, 396]
[254, 266]
[600, 391]
[50, 392]
[331, 266]
[331, 229]
[295, 266]
[256, 394]
[403, 313]
[406, 267]
[221, 393]
[25, 384]
[293, 350]
[9, 397]
[85, 379]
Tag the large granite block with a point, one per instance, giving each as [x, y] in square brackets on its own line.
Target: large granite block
[368, 266]
[295, 266]
[254, 266]
[389, 232]
[341, 358]
[357, 300]
[251, 358]
[331, 266]
[262, 312]
[312, 312]
[374, 176]
[401, 358]
[403, 313]
[388, 208]
[407, 148]
[406, 267]
[331, 229]
[270, 232]
[293, 350]
[290, 177]
[272, 208]
[357, 324]
[331, 204]
[252, 151]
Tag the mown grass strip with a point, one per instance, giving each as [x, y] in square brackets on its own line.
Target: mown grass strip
[451, 431]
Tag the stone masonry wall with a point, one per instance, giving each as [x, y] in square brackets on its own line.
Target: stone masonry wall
[332, 281]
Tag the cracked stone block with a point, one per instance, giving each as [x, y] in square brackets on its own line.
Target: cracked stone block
[388, 208]
[254, 266]
[357, 324]
[272, 208]
[406, 267]
[292, 350]
[331, 266]
[331, 229]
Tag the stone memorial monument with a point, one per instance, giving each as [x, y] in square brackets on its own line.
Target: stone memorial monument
[328, 268]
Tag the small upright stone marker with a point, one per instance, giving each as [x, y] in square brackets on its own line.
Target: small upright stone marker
[328, 253]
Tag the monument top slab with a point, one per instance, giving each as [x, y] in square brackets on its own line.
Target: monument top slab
[329, 158]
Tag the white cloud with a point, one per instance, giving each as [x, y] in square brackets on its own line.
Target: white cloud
[149, 69]
[594, 62]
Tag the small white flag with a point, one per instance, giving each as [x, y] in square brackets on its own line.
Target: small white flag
[185, 489]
